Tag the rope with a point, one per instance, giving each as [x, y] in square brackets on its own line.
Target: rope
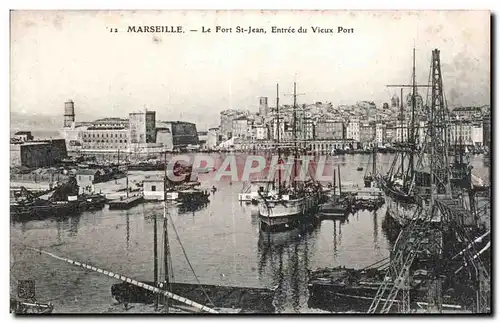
[130, 281]
[187, 259]
[377, 262]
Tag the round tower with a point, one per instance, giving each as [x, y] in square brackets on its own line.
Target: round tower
[69, 113]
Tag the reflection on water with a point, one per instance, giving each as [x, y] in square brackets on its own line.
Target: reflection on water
[284, 256]
[375, 232]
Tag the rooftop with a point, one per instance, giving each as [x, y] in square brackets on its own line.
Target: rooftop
[175, 122]
[111, 119]
[107, 128]
[467, 109]
[154, 179]
[83, 171]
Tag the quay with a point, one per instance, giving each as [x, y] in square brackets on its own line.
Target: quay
[125, 203]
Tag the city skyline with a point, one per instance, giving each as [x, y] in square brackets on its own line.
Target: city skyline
[57, 56]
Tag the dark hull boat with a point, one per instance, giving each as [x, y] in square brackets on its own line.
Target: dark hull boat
[91, 202]
[257, 300]
[339, 205]
[333, 210]
[396, 192]
[126, 203]
[42, 209]
[39, 210]
[346, 289]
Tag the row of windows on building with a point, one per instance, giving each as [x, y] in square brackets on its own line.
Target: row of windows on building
[107, 135]
[104, 146]
[316, 147]
[106, 140]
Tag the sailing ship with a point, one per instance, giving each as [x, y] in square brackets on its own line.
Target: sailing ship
[398, 183]
[347, 289]
[291, 204]
[337, 206]
[369, 178]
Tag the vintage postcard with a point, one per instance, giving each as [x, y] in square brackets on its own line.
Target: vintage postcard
[225, 162]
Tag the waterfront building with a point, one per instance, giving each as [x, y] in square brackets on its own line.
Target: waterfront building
[309, 128]
[260, 132]
[104, 138]
[43, 153]
[477, 133]
[101, 134]
[142, 127]
[329, 129]
[460, 132]
[467, 132]
[85, 180]
[23, 136]
[242, 128]
[154, 189]
[314, 146]
[352, 129]
[288, 133]
[390, 132]
[111, 122]
[367, 134]
[203, 137]
[174, 135]
[213, 138]
[74, 137]
[486, 130]
[467, 113]
[401, 131]
[380, 133]
[275, 130]
[164, 137]
[226, 121]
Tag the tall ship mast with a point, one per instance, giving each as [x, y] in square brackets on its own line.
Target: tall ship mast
[407, 183]
[294, 201]
[398, 183]
[278, 134]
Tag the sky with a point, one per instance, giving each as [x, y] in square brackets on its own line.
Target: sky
[192, 76]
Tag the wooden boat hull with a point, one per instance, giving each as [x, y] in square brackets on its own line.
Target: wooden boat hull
[125, 204]
[280, 215]
[248, 299]
[400, 207]
[332, 211]
[38, 212]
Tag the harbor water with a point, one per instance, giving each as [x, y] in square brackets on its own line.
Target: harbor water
[222, 241]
